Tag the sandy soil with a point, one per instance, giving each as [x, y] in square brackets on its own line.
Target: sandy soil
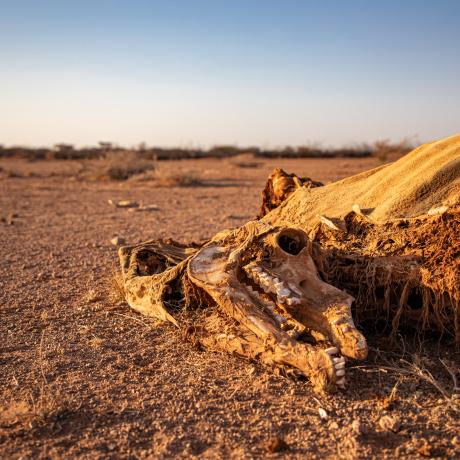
[81, 375]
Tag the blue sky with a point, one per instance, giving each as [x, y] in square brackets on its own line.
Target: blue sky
[200, 73]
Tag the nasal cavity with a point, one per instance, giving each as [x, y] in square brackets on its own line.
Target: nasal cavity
[292, 241]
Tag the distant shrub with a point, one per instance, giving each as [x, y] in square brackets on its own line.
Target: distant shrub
[118, 166]
[387, 151]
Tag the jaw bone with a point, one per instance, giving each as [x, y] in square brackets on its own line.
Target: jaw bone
[264, 279]
[268, 283]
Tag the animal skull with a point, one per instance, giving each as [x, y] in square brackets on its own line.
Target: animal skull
[270, 284]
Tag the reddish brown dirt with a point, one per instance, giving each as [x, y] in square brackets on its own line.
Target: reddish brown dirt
[82, 375]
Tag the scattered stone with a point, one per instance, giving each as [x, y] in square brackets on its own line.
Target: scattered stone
[358, 427]
[124, 204]
[147, 207]
[277, 444]
[390, 423]
[10, 218]
[117, 241]
[322, 413]
[426, 450]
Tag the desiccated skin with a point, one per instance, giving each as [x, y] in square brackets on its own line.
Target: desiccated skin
[263, 279]
[271, 289]
[280, 185]
[404, 271]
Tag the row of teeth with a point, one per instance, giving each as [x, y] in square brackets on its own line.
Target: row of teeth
[293, 330]
[271, 284]
[286, 296]
[339, 365]
[269, 305]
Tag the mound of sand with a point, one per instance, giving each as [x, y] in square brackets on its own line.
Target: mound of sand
[425, 179]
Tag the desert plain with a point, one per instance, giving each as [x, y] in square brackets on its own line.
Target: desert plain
[84, 376]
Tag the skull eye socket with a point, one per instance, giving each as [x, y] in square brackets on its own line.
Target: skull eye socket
[292, 241]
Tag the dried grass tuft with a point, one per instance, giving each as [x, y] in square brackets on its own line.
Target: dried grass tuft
[118, 166]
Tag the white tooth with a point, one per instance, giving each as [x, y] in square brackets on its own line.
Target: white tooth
[339, 360]
[340, 365]
[293, 301]
[331, 350]
[340, 373]
[341, 383]
[284, 292]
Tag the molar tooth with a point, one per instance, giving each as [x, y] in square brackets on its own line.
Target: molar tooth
[331, 350]
[340, 365]
[292, 301]
[341, 359]
[341, 383]
[340, 373]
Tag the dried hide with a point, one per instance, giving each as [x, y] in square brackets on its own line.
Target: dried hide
[390, 237]
[281, 289]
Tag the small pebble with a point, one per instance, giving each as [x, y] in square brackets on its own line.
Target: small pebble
[389, 423]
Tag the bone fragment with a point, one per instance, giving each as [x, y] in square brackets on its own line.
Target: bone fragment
[331, 350]
[329, 223]
[437, 211]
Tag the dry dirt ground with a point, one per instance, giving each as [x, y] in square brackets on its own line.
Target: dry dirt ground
[81, 375]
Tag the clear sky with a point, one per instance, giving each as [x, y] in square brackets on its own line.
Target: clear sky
[205, 72]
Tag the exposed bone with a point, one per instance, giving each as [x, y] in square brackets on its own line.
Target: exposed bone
[331, 350]
[276, 256]
[275, 328]
[438, 211]
[329, 223]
